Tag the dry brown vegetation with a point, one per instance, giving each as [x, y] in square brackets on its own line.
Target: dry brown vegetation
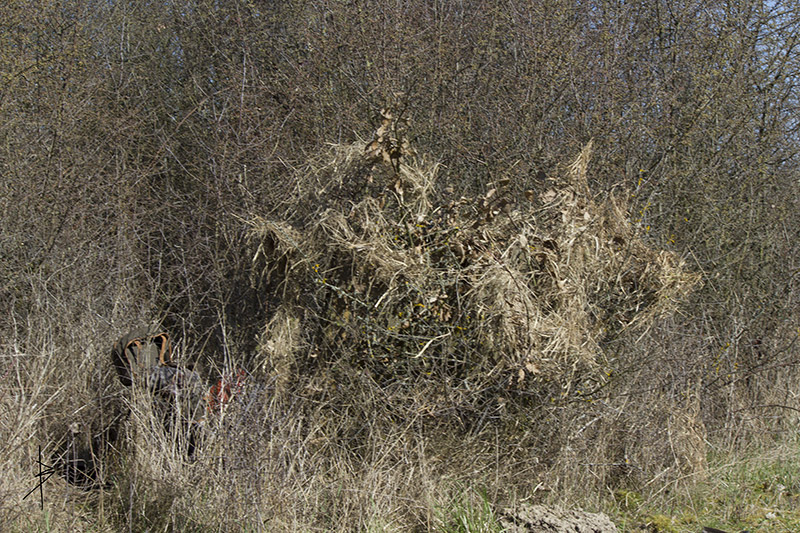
[476, 298]
[471, 253]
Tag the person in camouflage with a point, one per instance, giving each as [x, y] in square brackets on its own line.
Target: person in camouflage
[180, 399]
[143, 359]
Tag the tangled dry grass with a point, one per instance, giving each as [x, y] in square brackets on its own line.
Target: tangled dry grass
[495, 293]
[417, 343]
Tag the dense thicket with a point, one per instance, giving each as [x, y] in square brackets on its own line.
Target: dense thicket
[137, 138]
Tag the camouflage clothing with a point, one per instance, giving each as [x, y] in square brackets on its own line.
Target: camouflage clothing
[143, 361]
[179, 396]
[139, 350]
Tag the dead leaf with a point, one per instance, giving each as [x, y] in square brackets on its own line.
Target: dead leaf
[549, 196]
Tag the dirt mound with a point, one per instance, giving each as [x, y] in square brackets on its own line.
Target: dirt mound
[540, 519]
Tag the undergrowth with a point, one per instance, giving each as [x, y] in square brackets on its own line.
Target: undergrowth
[756, 490]
[425, 361]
